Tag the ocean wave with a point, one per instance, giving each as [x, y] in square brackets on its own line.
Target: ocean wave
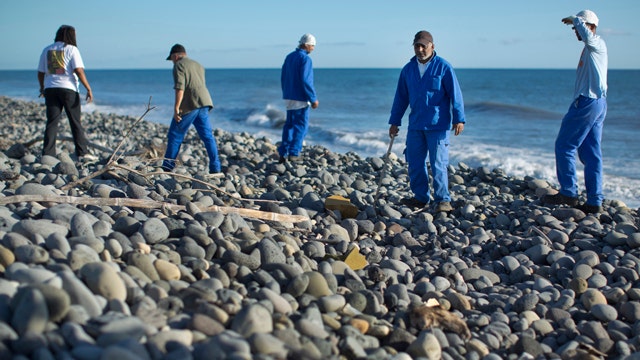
[270, 116]
[515, 111]
[541, 165]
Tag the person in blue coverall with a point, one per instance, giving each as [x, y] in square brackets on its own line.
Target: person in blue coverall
[299, 93]
[581, 128]
[429, 86]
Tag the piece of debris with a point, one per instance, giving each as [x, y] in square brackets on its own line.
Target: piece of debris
[342, 204]
[430, 315]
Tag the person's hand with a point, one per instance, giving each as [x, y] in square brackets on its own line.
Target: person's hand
[568, 20]
[393, 130]
[314, 105]
[89, 97]
[458, 128]
[176, 115]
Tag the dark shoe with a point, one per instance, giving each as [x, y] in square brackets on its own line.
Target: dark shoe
[295, 158]
[413, 203]
[589, 209]
[444, 206]
[559, 199]
[282, 160]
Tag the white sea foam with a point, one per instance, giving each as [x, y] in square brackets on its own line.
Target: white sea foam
[538, 164]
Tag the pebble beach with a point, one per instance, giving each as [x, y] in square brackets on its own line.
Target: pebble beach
[115, 259]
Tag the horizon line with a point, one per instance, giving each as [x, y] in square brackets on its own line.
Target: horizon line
[333, 68]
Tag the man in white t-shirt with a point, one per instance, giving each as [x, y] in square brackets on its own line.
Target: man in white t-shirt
[59, 70]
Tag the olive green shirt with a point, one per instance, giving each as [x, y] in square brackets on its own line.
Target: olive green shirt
[188, 75]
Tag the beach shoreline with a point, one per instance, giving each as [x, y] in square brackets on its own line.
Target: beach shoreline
[252, 264]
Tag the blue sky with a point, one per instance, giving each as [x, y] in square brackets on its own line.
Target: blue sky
[133, 34]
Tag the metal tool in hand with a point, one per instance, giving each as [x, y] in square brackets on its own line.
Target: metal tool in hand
[382, 173]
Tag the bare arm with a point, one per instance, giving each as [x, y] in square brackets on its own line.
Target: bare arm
[41, 81]
[83, 79]
[176, 106]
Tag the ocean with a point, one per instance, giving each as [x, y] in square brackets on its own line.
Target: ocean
[513, 116]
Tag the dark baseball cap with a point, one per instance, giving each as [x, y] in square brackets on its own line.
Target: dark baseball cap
[423, 37]
[177, 48]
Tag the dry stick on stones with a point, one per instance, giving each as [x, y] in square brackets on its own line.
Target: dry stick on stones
[382, 172]
[191, 179]
[151, 204]
[67, 138]
[113, 163]
[114, 156]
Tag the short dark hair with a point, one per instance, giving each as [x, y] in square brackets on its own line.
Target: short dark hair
[66, 34]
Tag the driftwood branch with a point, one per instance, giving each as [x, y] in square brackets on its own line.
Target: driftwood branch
[114, 155]
[145, 175]
[67, 138]
[151, 204]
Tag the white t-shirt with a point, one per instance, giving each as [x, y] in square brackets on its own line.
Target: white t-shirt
[58, 62]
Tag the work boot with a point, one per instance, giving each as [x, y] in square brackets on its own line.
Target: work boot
[413, 203]
[559, 199]
[589, 209]
[444, 206]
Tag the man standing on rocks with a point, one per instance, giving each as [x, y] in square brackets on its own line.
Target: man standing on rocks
[298, 92]
[429, 86]
[192, 105]
[581, 128]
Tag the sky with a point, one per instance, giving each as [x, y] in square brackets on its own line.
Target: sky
[137, 34]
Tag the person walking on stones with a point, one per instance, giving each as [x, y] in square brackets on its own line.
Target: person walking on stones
[581, 128]
[191, 107]
[59, 70]
[299, 93]
[428, 85]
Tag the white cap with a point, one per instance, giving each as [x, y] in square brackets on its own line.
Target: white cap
[588, 16]
[308, 39]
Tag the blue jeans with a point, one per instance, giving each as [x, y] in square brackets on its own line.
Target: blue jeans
[581, 132]
[177, 130]
[435, 145]
[294, 131]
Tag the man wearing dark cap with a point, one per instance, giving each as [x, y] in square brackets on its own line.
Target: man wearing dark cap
[429, 86]
[581, 129]
[192, 105]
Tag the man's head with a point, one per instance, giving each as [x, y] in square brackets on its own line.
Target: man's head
[589, 17]
[307, 42]
[177, 52]
[423, 45]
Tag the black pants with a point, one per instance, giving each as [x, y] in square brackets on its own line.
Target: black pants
[57, 99]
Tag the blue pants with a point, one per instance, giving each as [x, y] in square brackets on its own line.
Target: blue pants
[434, 144]
[581, 131]
[294, 131]
[177, 130]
